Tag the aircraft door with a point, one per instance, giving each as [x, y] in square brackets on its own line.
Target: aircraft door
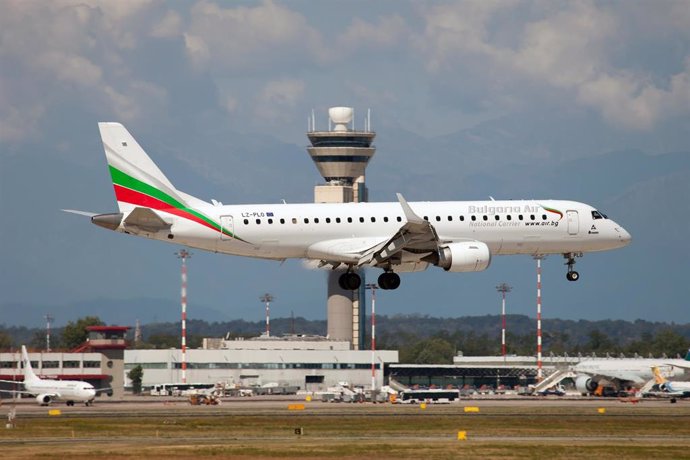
[227, 228]
[573, 223]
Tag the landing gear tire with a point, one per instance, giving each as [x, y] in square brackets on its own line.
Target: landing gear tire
[349, 281]
[389, 281]
[572, 276]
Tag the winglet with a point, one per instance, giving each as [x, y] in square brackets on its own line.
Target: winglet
[407, 210]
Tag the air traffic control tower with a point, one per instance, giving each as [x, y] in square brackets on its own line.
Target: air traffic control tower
[341, 155]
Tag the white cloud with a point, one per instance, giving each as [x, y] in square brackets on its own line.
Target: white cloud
[277, 99]
[169, 26]
[570, 48]
[231, 40]
[72, 50]
[389, 31]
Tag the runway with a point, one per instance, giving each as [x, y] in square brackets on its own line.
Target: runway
[266, 428]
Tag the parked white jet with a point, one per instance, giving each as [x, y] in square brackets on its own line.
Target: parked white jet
[48, 390]
[670, 389]
[458, 236]
[620, 374]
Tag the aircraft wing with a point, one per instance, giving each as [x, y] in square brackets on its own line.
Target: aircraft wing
[625, 376]
[682, 366]
[417, 237]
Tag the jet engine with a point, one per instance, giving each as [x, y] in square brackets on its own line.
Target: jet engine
[44, 400]
[467, 256]
[585, 384]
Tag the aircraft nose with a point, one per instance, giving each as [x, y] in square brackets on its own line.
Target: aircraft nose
[623, 235]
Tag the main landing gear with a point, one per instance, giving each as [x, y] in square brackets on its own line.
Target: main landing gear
[351, 281]
[389, 280]
[572, 275]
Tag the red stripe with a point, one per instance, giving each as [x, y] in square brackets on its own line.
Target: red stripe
[127, 195]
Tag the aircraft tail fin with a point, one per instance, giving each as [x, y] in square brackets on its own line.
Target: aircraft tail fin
[687, 357]
[136, 178]
[29, 375]
[658, 378]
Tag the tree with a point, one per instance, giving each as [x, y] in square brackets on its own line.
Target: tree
[136, 375]
[5, 341]
[74, 334]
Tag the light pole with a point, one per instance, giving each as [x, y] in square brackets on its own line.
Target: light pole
[184, 255]
[49, 320]
[267, 299]
[373, 288]
[503, 288]
[539, 258]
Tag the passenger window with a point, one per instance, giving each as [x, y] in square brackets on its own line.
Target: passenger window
[385, 219]
[349, 220]
[462, 218]
[294, 220]
[361, 220]
[270, 221]
[337, 220]
[373, 219]
[543, 217]
[531, 216]
[426, 218]
[246, 222]
[520, 217]
[438, 218]
[399, 219]
[485, 218]
[258, 221]
[316, 221]
[474, 218]
[509, 217]
[328, 220]
[497, 217]
[282, 221]
[450, 218]
[306, 220]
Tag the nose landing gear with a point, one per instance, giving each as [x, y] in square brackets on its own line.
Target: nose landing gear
[571, 275]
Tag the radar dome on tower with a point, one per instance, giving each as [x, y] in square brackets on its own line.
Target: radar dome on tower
[341, 116]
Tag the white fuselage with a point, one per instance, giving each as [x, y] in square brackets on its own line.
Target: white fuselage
[281, 231]
[66, 390]
[626, 369]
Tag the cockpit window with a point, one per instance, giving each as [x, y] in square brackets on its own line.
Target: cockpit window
[598, 215]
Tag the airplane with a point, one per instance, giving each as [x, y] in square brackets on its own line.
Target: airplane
[621, 374]
[49, 390]
[669, 389]
[458, 236]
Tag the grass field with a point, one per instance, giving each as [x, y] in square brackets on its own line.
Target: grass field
[358, 431]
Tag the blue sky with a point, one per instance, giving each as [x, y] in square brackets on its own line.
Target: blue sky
[514, 99]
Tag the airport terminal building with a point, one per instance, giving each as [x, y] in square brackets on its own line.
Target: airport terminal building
[309, 363]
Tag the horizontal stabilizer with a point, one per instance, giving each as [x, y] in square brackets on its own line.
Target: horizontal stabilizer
[146, 219]
[81, 213]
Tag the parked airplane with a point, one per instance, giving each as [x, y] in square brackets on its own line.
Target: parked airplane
[669, 389]
[621, 374]
[49, 390]
[459, 236]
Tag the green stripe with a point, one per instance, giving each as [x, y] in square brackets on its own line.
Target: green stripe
[124, 180]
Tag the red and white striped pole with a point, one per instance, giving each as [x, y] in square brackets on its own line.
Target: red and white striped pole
[184, 255]
[373, 288]
[539, 258]
[267, 299]
[503, 288]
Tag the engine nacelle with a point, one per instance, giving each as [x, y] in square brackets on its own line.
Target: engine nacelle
[585, 384]
[44, 400]
[467, 256]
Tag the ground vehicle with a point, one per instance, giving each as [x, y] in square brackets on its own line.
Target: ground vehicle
[429, 396]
